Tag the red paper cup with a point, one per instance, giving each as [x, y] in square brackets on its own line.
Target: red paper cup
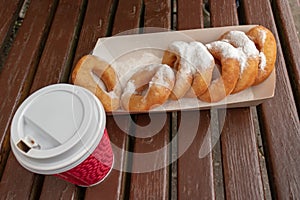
[60, 130]
[93, 169]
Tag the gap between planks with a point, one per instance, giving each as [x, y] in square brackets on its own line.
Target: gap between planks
[12, 32]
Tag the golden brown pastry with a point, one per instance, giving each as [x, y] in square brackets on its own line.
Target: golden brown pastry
[266, 44]
[193, 65]
[100, 78]
[249, 58]
[225, 84]
[149, 87]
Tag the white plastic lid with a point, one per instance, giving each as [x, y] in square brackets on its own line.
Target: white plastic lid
[56, 128]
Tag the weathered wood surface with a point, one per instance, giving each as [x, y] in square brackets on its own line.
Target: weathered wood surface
[150, 162]
[150, 173]
[279, 118]
[47, 47]
[16, 77]
[289, 39]
[97, 23]
[238, 139]
[195, 173]
[128, 17]
[9, 14]
[195, 165]
[189, 15]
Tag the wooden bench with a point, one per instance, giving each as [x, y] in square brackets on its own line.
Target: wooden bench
[257, 155]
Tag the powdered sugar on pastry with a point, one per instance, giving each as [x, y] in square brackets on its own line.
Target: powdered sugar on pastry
[178, 47]
[263, 61]
[193, 54]
[130, 87]
[148, 87]
[262, 37]
[227, 50]
[249, 58]
[224, 85]
[128, 64]
[193, 64]
[243, 43]
[133, 60]
[198, 55]
[240, 40]
[162, 77]
[181, 49]
[266, 45]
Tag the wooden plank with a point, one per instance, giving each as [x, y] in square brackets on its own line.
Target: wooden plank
[157, 14]
[16, 182]
[281, 137]
[53, 68]
[195, 14]
[127, 18]
[150, 177]
[238, 140]
[289, 39]
[96, 24]
[195, 174]
[195, 168]
[223, 8]
[9, 9]
[55, 62]
[56, 188]
[15, 80]
[240, 156]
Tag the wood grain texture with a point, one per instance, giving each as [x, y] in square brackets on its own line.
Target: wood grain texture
[56, 59]
[56, 188]
[279, 117]
[241, 167]
[195, 165]
[289, 39]
[195, 174]
[240, 157]
[96, 24]
[223, 13]
[150, 177]
[128, 17]
[16, 78]
[9, 11]
[157, 14]
[189, 15]
[16, 182]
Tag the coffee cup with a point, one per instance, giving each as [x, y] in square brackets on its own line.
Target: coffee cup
[60, 130]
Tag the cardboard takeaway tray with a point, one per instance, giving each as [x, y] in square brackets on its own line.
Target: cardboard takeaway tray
[128, 52]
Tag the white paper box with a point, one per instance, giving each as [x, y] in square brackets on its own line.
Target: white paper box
[127, 52]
